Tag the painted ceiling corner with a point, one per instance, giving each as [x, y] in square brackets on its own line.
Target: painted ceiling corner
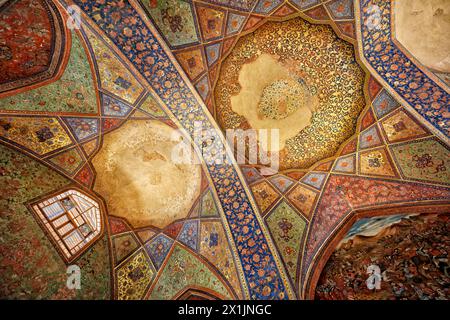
[116, 156]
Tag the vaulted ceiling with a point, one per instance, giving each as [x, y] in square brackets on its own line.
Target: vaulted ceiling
[94, 96]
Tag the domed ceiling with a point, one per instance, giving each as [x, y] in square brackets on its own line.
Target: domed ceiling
[95, 96]
[296, 77]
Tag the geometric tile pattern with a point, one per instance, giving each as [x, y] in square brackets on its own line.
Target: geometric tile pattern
[123, 244]
[305, 4]
[40, 135]
[189, 234]
[83, 128]
[173, 229]
[90, 147]
[314, 179]
[318, 13]
[400, 126]
[68, 161]
[284, 11]
[145, 235]
[251, 174]
[114, 76]
[134, 276]
[350, 147]
[367, 120]
[325, 167]
[174, 19]
[151, 107]
[374, 87]
[377, 163]
[266, 6]
[211, 22]
[282, 183]
[114, 107]
[252, 21]
[216, 25]
[345, 164]
[303, 199]
[265, 195]
[85, 176]
[213, 53]
[235, 22]
[395, 67]
[192, 62]
[203, 87]
[158, 248]
[370, 138]
[384, 104]
[422, 160]
[117, 225]
[110, 124]
[426, 160]
[209, 208]
[341, 9]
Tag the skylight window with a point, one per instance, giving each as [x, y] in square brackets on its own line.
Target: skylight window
[72, 219]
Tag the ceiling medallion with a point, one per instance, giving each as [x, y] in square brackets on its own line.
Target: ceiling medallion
[299, 78]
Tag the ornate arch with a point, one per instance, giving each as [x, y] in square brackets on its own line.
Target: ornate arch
[42, 25]
[339, 233]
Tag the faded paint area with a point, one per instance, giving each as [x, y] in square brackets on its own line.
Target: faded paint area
[422, 27]
[272, 97]
[139, 179]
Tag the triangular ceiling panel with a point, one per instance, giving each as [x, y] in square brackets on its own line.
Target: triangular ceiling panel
[115, 77]
[73, 92]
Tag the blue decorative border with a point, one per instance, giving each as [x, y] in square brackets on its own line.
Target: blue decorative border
[126, 28]
[421, 92]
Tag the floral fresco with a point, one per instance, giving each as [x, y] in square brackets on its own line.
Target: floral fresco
[115, 158]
